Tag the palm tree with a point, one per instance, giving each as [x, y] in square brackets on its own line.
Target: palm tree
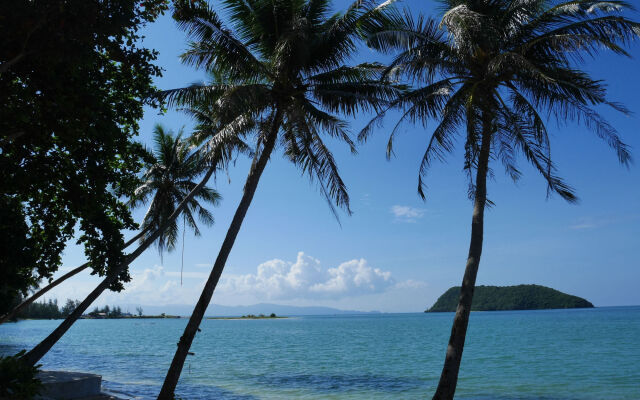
[169, 179]
[282, 66]
[166, 147]
[489, 75]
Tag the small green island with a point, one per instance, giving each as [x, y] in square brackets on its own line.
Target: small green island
[251, 316]
[503, 298]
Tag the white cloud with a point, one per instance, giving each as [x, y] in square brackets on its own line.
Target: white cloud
[147, 286]
[352, 284]
[150, 286]
[186, 274]
[600, 222]
[407, 213]
[305, 278]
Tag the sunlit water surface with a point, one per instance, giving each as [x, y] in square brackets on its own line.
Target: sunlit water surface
[556, 354]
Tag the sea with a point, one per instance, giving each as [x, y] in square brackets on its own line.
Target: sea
[581, 354]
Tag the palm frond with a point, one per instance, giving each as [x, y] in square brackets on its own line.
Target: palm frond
[213, 46]
[441, 141]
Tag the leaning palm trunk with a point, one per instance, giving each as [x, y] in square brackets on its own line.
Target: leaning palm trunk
[257, 167]
[56, 282]
[35, 354]
[449, 377]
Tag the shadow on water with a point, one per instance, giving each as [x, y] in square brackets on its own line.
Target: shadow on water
[509, 397]
[340, 383]
[345, 383]
[329, 384]
[9, 350]
[185, 391]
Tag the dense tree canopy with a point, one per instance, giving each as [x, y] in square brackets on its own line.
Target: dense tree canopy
[73, 83]
[520, 297]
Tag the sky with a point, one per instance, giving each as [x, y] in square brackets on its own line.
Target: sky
[397, 253]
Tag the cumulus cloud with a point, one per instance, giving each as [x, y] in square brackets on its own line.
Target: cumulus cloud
[151, 286]
[194, 275]
[407, 213]
[352, 284]
[306, 278]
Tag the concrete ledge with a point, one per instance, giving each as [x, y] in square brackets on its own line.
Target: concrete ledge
[64, 385]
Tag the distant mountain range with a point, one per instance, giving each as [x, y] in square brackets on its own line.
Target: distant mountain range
[233, 311]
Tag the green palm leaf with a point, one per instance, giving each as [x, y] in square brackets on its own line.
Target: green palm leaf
[166, 182]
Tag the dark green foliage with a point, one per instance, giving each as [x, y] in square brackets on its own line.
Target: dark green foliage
[48, 310]
[520, 297]
[42, 310]
[18, 253]
[69, 306]
[106, 312]
[73, 83]
[18, 379]
[259, 316]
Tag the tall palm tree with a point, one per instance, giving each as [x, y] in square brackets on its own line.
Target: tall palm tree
[169, 179]
[281, 64]
[489, 75]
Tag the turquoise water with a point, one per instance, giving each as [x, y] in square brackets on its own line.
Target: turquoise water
[557, 354]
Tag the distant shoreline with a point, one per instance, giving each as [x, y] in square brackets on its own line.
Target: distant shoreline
[595, 308]
[251, 316]
[134, 317]
[245, 318]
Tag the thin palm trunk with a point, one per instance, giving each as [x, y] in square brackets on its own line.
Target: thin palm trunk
[41, 292]
[184, 228]
[58, 281]
[449, 377]
[35, 354]
[257, 167]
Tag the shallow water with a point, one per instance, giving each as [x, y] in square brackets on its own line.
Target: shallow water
[524, 355]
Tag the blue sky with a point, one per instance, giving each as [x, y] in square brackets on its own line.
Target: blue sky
[397, 253]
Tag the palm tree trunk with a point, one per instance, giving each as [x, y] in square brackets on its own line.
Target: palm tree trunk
[35, 354]
[257, 167]
[58, 281]
[449, 377]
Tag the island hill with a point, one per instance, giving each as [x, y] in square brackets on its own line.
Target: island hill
[502, 298]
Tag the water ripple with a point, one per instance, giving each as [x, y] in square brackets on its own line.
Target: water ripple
[340, 383]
